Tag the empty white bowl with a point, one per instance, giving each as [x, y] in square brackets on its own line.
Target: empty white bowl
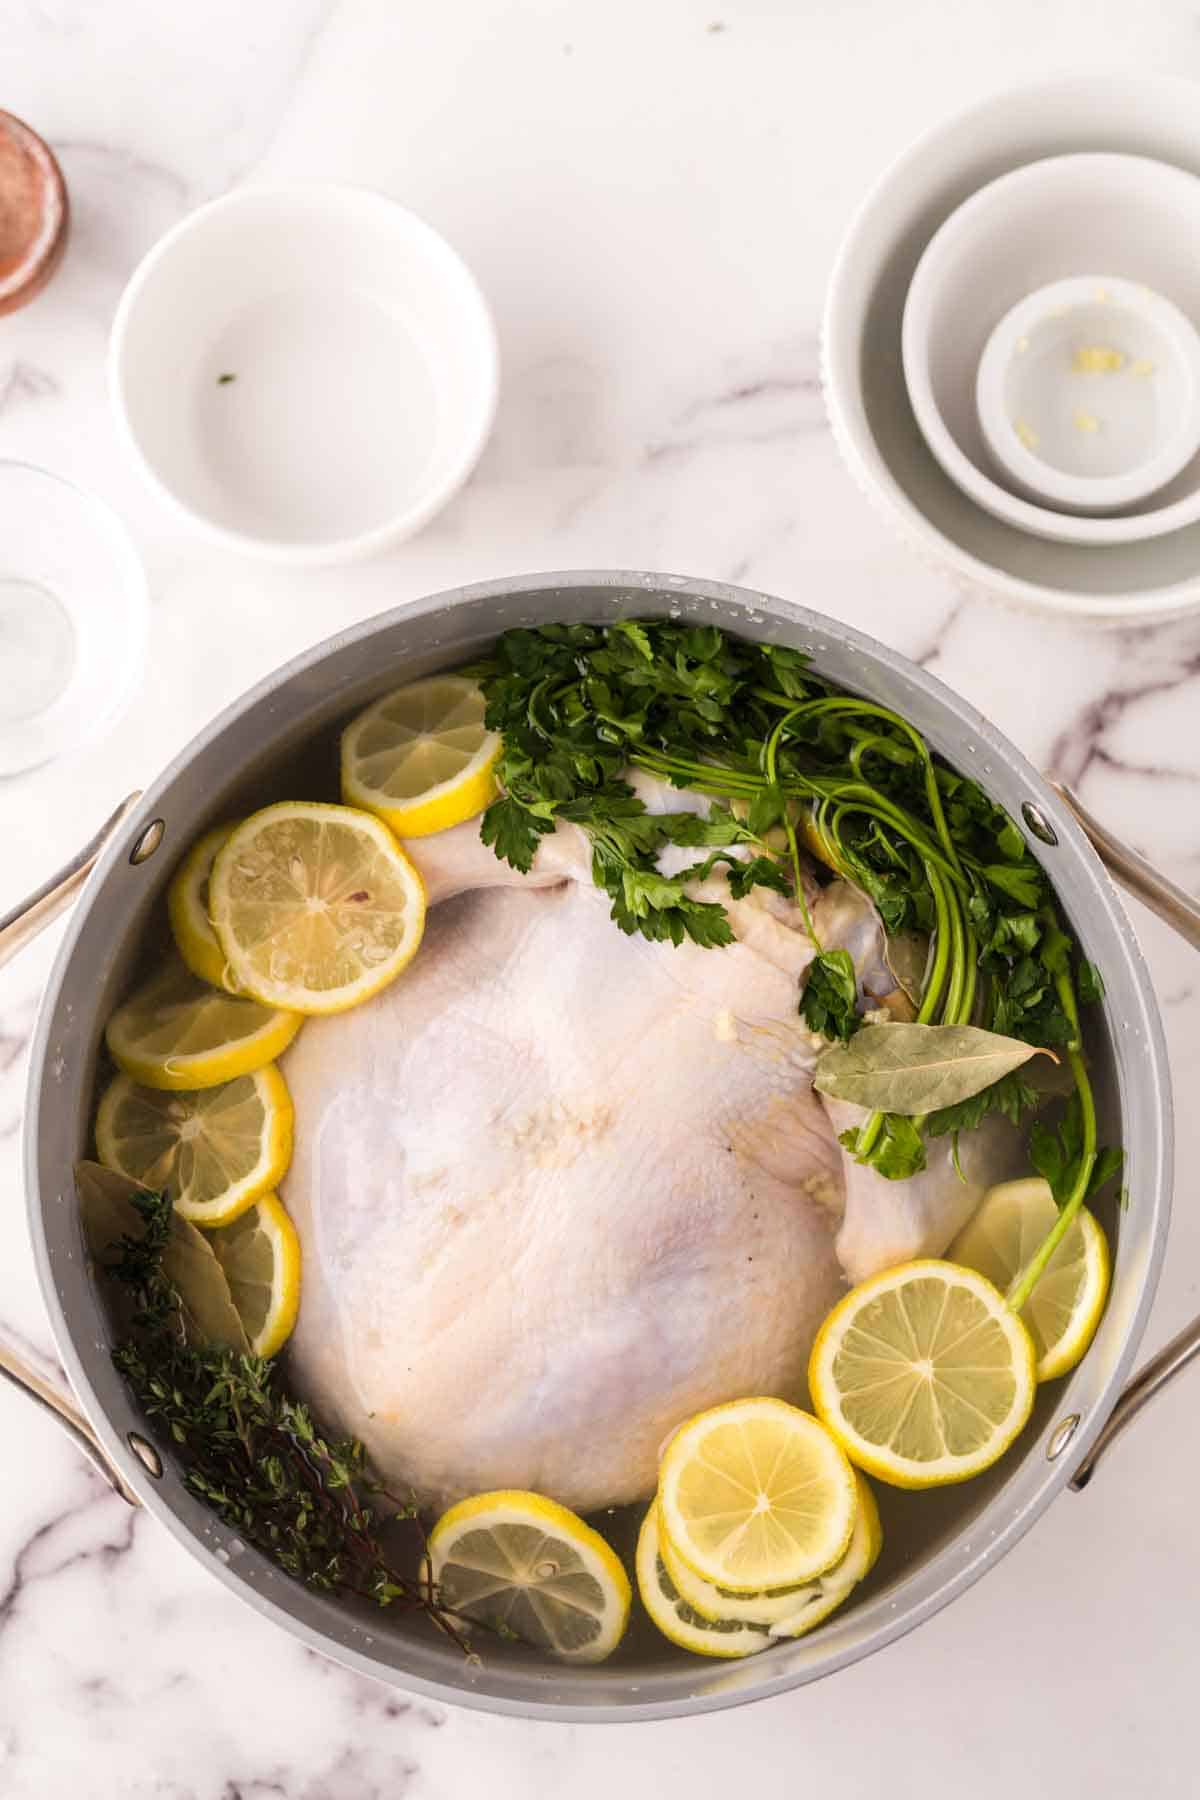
[307, 374]
[73, 617]
[1135, 218]
[866, 393]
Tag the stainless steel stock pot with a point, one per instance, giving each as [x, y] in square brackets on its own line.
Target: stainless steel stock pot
[279, 741]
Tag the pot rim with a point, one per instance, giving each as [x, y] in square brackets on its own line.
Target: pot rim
[876, 1622]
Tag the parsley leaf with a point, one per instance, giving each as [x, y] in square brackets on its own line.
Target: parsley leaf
[1024, 885]
[1010, 843]
[897, 1152]
[828, 1004]
[1090, 983]
[766, 810]
[513, 832]
[1010, 1097]
[1025, 1001]
[757, 871]
[720, 827]
[1055, 1153]
[1109, 1162]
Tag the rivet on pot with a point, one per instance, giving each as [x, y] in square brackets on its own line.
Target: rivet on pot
[1038, 823]
[1061, 1436]
[149, 841]
[146, 1454]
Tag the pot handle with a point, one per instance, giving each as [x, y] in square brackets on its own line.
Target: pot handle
[1179, 910]
[1182, 913]
[58, 1400]
[32, 916]
[17, 929]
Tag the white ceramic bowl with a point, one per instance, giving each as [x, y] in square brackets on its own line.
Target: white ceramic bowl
[1088, 397]
[73, 617]
[1129, 218]
[307, 373]
[868, 402]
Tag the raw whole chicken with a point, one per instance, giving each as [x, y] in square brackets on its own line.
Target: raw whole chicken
[558, 1188]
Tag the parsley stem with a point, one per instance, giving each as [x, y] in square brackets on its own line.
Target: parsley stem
[1035, 1268]
[868, 709]
[944, 939]
[971, 965]
[859, 797]
[941, 947]
[954, 991]
[770, 760]
[831, 851]
[705, 778]
[787, 701]
[868, 1131]
[849, 798]
[877, 741]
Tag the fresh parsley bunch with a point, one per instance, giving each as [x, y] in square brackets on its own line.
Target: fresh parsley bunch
[577, 704]
[783, 753]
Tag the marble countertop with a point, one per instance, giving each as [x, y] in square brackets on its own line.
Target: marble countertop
[651, 196]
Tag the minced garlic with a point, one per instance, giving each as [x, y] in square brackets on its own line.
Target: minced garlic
[1097, 359]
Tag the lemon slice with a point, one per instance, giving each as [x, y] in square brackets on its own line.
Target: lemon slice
[683, 1624]
[786, 1612]
[526, 1566]
[824, 1595]
[315, 906]
[756, 1494]
[187, 909]
[215, 1150]
[260, 1255]
[1064, 1309]
[923, 1374]
[422, 757]
[178, 1032]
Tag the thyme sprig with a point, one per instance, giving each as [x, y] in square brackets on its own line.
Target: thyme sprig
[254, 1454]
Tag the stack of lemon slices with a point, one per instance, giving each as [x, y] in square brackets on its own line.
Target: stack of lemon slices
[200, 1109]
[759, 1530]
[301, 909]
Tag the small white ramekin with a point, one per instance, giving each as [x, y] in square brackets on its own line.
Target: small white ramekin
[1138, 410]
[306, 374]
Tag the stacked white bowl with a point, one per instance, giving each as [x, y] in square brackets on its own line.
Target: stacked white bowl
[1012, 361]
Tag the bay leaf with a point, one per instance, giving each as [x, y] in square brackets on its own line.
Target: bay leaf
[916, 1069]
[191, 1267]
[188, 1262]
